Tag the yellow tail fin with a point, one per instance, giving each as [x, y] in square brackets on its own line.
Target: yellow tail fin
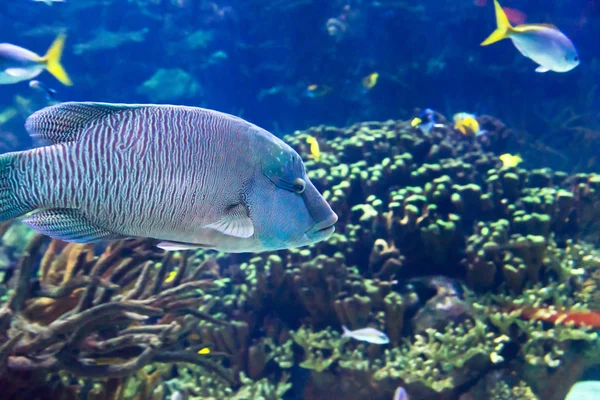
[52, 60]
[503, 29]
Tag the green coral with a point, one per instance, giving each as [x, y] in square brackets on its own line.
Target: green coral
[504, 391]
[321, 349]
[433, 357]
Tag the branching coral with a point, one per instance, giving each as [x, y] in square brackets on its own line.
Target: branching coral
[453, 256]
[101, 316]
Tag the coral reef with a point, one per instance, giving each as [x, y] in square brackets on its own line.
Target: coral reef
[460, 261]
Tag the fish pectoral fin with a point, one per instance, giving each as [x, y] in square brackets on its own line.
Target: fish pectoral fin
[66, 122]
[234, 222]
[70, 225]
[542, 69]
[17, 72]
[175, 246]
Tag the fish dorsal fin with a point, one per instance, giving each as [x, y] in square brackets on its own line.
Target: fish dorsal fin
[533, 27]
[65, 122]
[234, 222]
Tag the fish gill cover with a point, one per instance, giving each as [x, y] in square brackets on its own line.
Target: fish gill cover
[470, 244]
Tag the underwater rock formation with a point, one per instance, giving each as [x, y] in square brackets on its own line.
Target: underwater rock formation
[483, 277]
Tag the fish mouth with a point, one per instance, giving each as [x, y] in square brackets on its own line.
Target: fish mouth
[322, 230]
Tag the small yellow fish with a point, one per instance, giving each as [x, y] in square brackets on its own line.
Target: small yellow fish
[317, 90]
[369, 81]
[315, 151]
[204, 350]
[171, 276]
[466, 124]
[508, 160]
[416, 121]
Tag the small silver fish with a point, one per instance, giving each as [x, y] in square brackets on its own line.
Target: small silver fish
[369, 335]
[18, 64]
[542, 43]
[400, 394]
[37, 85]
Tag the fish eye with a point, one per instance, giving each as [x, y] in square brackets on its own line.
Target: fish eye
[576, 58]
[299, 185]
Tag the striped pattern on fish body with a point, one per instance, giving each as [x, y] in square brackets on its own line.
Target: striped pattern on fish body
[178, 174]
[165, 170]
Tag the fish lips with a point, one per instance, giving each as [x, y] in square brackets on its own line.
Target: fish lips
[322, 230]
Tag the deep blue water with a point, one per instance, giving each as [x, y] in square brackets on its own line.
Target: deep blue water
[427, 56]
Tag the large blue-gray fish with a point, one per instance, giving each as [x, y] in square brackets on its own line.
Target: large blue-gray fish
[542, 43]
[187, 176]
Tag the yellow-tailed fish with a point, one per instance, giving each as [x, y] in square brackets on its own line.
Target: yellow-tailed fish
[18, 64]
[466, 124]
[508, 160]
[315, 151]
[542, 43]
[204, 350]
[416, 122]
[369, 81]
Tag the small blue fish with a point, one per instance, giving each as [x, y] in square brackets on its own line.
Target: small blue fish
[426, 121]
[400, 394]
[369, 335]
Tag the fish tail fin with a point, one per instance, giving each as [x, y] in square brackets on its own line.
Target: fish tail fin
[52, 60]
[346, 331]
[11, 206]
[503, 26]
